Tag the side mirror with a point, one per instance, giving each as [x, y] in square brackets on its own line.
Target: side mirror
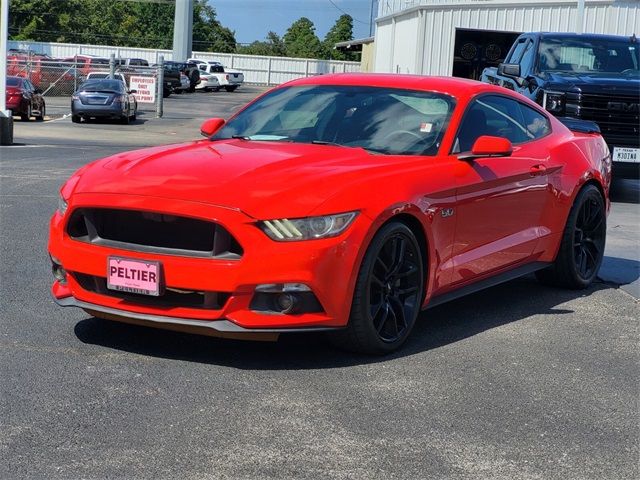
[488, 146]
[509, 70]
[211, 126]
[133, 91]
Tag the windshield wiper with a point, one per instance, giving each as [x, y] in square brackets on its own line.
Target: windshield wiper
[241, 137]
[334, 144]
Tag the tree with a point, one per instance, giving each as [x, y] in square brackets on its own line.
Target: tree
[114, 22]
[300, 40]
[273, 46]
[341, 31]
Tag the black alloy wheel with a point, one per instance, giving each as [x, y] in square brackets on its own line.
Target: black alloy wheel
[589, 238]
[393, 288]
[582, 245]
[388, 293]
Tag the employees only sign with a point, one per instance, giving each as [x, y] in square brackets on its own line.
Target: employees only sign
[145, 88]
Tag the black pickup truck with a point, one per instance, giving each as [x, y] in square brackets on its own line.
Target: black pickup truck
[585, 76]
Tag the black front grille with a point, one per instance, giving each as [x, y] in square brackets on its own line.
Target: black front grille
[169, 298]
[152, 232]
[617, 115]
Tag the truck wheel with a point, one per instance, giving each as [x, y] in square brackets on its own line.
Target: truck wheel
[582, 245]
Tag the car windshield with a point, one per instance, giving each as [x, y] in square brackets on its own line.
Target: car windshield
[591, 55]
[102, 86]
[381, 120]
[13, 82]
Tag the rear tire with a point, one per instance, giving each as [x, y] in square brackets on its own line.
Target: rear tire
[582, 245]
[230, 89]
[125, 119]
[25, 117]
[388, 293]
[43, 112]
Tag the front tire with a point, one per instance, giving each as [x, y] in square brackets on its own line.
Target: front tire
[388, 293]
[75, 118]
[43, 112]
[582, 245]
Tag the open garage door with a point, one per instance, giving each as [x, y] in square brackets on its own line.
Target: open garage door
[476, 49]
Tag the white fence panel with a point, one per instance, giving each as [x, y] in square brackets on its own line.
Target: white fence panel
[257, 69]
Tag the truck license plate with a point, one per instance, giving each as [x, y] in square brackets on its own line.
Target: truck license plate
[631, 155]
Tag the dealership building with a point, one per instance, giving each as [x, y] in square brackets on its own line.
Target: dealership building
[461, 37]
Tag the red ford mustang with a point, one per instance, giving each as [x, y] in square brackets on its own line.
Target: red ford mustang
[341, 202]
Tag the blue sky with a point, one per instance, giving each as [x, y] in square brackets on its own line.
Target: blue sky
[252, 19]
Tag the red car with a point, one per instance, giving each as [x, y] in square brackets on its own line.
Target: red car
[24, 99]
[341, 202]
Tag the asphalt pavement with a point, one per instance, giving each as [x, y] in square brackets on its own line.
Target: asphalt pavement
[520, 381]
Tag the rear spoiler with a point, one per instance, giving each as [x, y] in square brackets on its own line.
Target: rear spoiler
[577, 125]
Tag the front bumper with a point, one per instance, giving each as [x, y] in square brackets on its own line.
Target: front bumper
[328, 267]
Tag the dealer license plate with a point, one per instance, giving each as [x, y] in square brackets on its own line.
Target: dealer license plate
[133, 276]
[621, 154]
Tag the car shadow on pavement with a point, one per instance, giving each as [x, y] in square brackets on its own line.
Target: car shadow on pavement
[437, 327]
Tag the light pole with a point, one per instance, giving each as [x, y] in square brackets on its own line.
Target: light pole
[6, 120]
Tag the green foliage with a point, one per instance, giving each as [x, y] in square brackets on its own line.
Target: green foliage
[114, 22]
[341, 31]
[301, 40]
[273, 46]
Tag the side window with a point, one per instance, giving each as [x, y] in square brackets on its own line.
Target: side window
[27, 86]
[496, 116]
[516, 53]
[528, 56]
[537, 124]
[202, 67]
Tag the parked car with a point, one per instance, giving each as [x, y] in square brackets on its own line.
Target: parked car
[208, 82]
[228, 78]
[586, 76]
[99, 75]
[185, 85]
[24, 99]
[340, 202]
[87, 63]
[104, 98]
[42, 70]
[132, 62]
[171, 73]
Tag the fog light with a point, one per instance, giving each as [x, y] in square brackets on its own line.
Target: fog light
[59, 273]
[287, 302]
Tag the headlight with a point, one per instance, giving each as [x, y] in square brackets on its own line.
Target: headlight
[310, 228]
[62, 206]
[553, 101]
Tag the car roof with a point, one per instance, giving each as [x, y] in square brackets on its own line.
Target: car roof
[584, 36]
[453, 86]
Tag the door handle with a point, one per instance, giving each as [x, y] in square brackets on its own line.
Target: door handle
[537, 170]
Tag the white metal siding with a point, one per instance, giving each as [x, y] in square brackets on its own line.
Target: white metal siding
[256, 69]
[442, 17]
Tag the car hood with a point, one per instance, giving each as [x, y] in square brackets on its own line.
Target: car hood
[262, 179]
[593, 82]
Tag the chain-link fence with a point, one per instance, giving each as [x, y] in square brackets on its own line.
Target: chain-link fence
[58, 79]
